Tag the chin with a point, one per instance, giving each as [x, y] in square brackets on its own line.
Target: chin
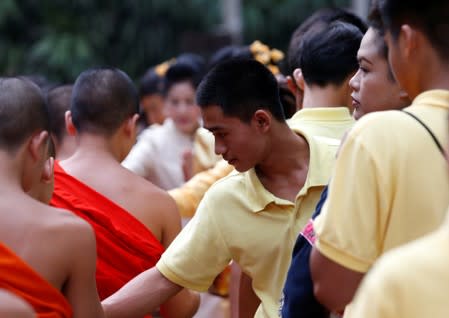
[187, 129]
[241, 168]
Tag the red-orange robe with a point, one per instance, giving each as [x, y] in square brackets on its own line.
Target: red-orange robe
[19, 278]
[125, 247]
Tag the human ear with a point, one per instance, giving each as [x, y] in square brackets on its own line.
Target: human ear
[38, 145]
[131, 124]
[407, 40]
[69, 126]
[48, 171]
[299, 78]
[262, 120]
[291, 85]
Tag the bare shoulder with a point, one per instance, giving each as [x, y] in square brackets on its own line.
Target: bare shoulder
[13, 306]
[148, 196]
[69, 230]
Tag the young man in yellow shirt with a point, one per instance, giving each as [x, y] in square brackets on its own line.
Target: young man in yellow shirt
[249, 216]
[373, 81]
[390, 184]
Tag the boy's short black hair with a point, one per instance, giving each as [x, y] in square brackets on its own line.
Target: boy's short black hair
[182, 71]
[58, 102]
[102, 99]
[151, 83]
[319, 20]
[23, 112]
[329, 55]
[430, 16]
[230, 52]
[240, 87]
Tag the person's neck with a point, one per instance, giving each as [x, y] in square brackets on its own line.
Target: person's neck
[328, 96]
[435, 75]
[288, 152]
[284, 170]
[66, 148]
[10, 174]
[439, 81]
[93, 147]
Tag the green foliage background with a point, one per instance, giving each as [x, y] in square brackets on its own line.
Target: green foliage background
[60, 38]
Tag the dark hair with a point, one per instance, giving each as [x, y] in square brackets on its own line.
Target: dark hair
[182, 71]
[288, 100]
[197, 62]
[430, 16]
[58, 102]
[151, 83]
[329, 56]
[102, 99]
[318, 21]
[375, 22]
[22, 112]
[241, 87]
[228, 53]
[41, 81]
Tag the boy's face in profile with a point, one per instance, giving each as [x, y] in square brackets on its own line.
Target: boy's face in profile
[240, 143]
[373, 87]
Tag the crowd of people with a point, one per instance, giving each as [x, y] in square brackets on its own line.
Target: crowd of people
[224, 188]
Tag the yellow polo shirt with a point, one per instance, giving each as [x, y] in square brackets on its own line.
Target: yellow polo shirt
[411, 281]
[389, 186]
[332, 122]
[239, 219]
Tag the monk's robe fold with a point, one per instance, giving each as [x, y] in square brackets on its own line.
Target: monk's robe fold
[19, 278]
[125, 247]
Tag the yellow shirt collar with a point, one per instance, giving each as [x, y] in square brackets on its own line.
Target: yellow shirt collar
[322, 114]
[322, 156]
[435, 97]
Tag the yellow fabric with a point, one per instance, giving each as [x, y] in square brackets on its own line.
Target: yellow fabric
[190, 194]
[330, 122]
[239, 219]
[390, 184]
[411, 281]
[204, 156]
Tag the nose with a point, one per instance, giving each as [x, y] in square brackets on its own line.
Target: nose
[354, 83]
[220, 148]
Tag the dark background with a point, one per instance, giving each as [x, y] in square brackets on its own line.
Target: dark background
[60, 38]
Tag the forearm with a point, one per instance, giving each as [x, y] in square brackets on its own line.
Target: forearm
[248, 300]
[183, 305]
[334, 285]
[140, 296]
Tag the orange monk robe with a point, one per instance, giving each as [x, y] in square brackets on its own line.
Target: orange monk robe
[19, 278]
[125, 247]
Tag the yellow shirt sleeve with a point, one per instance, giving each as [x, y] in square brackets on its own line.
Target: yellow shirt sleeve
[199, 253]
[377, 298]
[355, 213]
[188, 196]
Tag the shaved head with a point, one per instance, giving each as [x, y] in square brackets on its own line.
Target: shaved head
[102, 99]
[22, 112]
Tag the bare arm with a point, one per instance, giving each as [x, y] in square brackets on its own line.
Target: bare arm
[185, 304]
[12, 306]
[140, 296]
[334, 285]
[248, 300]
[81, 289]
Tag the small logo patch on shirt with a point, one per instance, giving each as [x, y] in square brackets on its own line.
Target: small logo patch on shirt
[309, 233]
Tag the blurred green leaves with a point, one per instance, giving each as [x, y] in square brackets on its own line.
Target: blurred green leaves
[60, 38]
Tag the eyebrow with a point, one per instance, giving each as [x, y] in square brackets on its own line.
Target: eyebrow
[361, 59]
[213, 128]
